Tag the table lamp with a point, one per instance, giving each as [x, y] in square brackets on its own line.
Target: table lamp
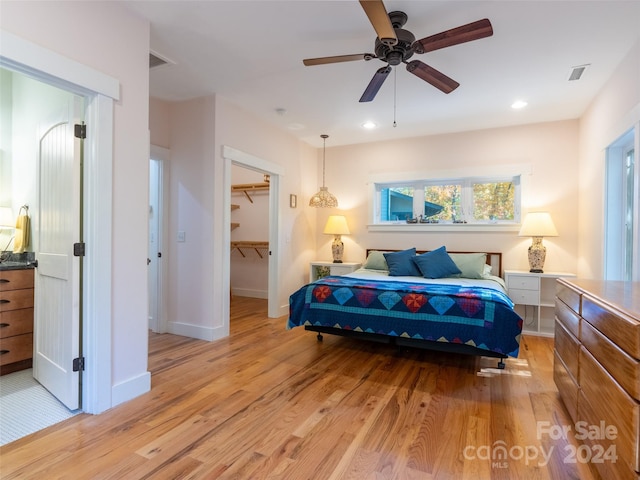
[537, 225]
[337, 225]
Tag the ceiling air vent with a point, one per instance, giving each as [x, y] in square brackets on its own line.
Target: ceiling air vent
[577, 72]
[156, 60]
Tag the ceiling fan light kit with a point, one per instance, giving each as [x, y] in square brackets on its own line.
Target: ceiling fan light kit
[395, 45]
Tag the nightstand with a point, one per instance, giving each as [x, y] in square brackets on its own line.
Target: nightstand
[534, 295]
[323, 269]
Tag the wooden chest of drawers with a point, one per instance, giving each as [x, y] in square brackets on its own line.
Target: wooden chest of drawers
[16, 320]
[597, 366]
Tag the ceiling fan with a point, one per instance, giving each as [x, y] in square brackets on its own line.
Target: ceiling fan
[395, 45]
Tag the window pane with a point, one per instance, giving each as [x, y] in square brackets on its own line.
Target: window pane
[493, 201]
[445, 196]
[396, 203]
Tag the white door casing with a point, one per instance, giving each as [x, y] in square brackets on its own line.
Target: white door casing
[57, 299]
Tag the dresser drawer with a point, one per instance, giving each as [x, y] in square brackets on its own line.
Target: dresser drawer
[14, 349]
[523, 297]
[617, 327]
[624, 368]
[16, 299]
[568, 317]
[16, 279]
[568, 349]
[610, 403]
[569, 296]
[524, 282]
[567, 387]
[16, 322]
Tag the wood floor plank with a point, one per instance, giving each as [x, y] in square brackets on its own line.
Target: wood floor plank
[271, 403]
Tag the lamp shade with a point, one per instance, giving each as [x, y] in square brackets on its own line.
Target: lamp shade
[6, 218]
[336, 225]
[538, 224]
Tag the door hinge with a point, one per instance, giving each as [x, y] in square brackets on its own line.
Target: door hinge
[78, 364]
[80, 131]
[78, 249]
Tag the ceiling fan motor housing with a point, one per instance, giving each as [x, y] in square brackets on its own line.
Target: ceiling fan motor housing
[398, 53]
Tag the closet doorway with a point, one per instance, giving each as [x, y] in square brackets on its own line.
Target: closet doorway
[233, 157]
[249, 257]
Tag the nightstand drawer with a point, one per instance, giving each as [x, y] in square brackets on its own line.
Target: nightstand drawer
[341, 269]
[524, 297]
[524, 282]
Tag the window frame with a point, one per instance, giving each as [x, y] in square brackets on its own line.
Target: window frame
[379, 183]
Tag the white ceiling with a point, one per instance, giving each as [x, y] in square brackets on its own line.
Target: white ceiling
[251, 52]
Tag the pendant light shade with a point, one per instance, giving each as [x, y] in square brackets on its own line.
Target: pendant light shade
[323, 199]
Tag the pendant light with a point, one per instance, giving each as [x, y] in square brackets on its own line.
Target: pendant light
[323, 199]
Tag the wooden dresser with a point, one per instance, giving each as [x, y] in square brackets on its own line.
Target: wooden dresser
[16, 320]
[597, 370]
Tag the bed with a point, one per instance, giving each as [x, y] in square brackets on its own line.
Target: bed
[432, 307]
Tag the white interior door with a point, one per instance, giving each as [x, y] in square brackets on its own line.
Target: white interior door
[57, 306]
[154, 244]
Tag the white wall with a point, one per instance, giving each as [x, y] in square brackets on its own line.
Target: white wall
[197, 130]
[84, 32]
[612, 113]
[547, 152]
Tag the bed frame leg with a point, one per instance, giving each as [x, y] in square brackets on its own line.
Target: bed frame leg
[319, 337]
[501, 364]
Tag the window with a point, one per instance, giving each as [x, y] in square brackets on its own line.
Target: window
[462, 200]
[621, 233]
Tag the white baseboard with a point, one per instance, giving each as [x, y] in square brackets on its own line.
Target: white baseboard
[130, 389]
[196, 331]
[247, 292]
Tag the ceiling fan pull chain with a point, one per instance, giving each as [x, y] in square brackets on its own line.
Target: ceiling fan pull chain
[395, 78]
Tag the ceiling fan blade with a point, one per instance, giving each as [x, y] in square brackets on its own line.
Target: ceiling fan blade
[380, 21]
[455, 36]
[337, 59]
[374, 85]
[432, 76]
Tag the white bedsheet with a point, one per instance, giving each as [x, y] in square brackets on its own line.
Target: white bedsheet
[490, 281]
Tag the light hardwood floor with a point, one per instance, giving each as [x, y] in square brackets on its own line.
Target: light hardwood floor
[272, 403]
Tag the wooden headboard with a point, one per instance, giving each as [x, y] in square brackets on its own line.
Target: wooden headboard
[494, 259]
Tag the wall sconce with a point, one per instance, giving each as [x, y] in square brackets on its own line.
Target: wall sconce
[337, 225]
[537, 225]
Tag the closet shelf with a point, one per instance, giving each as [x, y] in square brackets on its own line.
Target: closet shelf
[249, 187]
[257, 246]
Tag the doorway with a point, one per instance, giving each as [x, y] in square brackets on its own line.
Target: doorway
[156, 259]
[99, 91]
[41, 169]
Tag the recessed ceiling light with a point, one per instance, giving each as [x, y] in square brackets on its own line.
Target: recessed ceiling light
[518, 104]
[369, 125]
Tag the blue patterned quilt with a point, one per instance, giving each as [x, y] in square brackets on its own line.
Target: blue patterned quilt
[476, 316]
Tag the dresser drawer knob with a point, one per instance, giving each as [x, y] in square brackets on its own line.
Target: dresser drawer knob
[4, 325]
[2, 352]
[4, 280]
[5, 301]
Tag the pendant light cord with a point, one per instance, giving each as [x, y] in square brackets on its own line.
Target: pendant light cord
[324, 150]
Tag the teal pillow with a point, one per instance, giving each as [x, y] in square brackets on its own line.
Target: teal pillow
[436, 264]
[401, 263]
[471, 265]
[376, 261]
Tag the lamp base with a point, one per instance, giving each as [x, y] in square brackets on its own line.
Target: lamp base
[537, 254]
[337, 249]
